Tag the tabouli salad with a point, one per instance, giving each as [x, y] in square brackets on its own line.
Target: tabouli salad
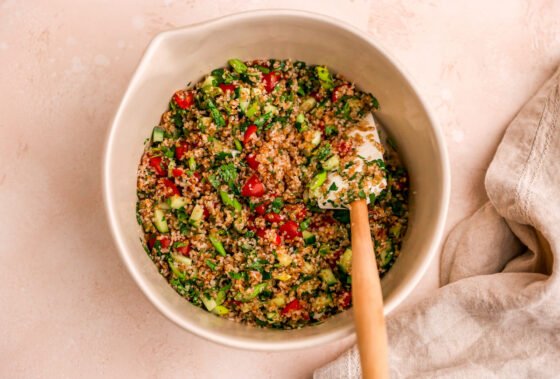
[225, 193]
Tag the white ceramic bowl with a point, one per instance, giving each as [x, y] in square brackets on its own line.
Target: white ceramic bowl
[178, 56]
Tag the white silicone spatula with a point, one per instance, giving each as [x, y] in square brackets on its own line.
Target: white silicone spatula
[366, 287]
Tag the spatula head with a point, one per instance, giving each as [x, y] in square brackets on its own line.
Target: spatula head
[364, 177]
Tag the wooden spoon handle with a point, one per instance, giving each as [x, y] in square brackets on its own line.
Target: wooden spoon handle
[367, 298]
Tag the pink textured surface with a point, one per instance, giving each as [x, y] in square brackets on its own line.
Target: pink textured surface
[68, 304]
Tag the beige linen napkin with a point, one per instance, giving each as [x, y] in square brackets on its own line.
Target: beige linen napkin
[498, 313]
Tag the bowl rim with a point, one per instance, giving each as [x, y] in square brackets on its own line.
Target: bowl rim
[404, 289]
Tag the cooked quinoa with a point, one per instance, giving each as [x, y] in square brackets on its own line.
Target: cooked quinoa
[224, 193]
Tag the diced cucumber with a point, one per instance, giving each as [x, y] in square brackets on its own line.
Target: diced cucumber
[192, 163]
[269, 108]
[182, 259]
[345, 261]
[317, 136]
[157, 134]
[308, 104]
[324, 77]
[220, 310]
[396, 230]
[332, 163]
[175, 269]
[209, 303]
[252, 110]
[301, 124]
[272, 315]
[309, 237]
[209, 86]
[164, 205]
[217, 245]
[284, 259]
[221, 296]
[230, 201]
[318, 180]
[238, 145]
[238, 65]
[279, 301]
[328, 277]
[160, 222]
[244, 98]
[322, 301]
[177, 202]
[324, 250]
[196, 216]
[256, 291]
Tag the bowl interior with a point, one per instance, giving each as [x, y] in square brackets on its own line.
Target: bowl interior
[177, 57]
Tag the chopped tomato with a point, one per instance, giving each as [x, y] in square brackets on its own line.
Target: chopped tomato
[273, 217]
[270, 80]
[300, 215]
[261, 233]
[151, 242]
[206, 213]
[290, 229]
[226, 87]
[293, 305]
[316, 96]
[251, 129]
[346, 299]
[177, 172]
[184, 250]
[181, 150]
[172, 188]
[338, 92]
[197, 175]
[253, 187]
[261, 209]
[159, 166]
[184, 99]
[252, 161]
[165, 242]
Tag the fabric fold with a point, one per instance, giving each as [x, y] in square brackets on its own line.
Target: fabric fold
[496, 315]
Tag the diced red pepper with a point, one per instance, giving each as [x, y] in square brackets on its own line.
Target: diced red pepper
[151, 242]
[346, 299]
[290, 229]
[226, 87]
[293, 305]
[273, 217]
[338, 92]
[251, 129]
[184, 250]
[261, 233]
[177, 172]
[183, 99]
[253, 187]
[172, 188]
[180, 150]
[159, 166]
[164, 242]
[252, 161]
[270, 80]
[261, 208]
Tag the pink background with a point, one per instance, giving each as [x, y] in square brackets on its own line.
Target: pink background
[69, 308]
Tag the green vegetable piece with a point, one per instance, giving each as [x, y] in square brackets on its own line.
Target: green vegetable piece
[181, 259]
[345, 261]
[177, 202]
[238, 65]
[316, 140]
[396, 230]
[238, 145]
[230, 201]
[210, 264]
[332, 163]
[222, 295]
[324, 77]
[252, 110]
[318, 180]
[196, 216]
[217, 245]
[328, 277]
[216, 115]
[308, 104]
[256, 291]
[386, 256]
[160, 222]
[192, 163]
[309, 238]
[301, 124]
[157, 134]
[175, 269]
[263, 119]
[220, 310]
[209, 303]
